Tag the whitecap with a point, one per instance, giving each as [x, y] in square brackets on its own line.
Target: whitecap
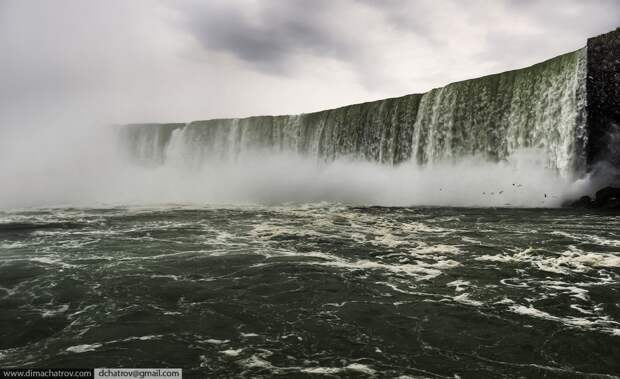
[83, 348]
[231, 352]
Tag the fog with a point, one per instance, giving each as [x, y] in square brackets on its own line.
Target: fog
[88, 170]
[71, 69]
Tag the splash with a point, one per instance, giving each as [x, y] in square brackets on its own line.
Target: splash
[514, 139]
[540, 107]
[257, 177]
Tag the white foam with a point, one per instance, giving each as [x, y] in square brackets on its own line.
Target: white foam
[597, 259]
[579, 309]
[231, 352]
[602, 324]
[256, 361]
[353, 367]
[136, 338]
[58, 310]
[83, 348]
[504, 301]
[565, 263]
[496, 258]
[149, 337]
[214, 341]
[531, 311]
[14, 245]
[464, 299]
[51, 261]
[576, 292]
[358, 367]
[589, 238]
[419, 269]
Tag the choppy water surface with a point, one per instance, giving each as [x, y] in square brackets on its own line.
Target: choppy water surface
[313, 291]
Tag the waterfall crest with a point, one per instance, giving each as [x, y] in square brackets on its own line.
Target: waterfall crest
[540, 107]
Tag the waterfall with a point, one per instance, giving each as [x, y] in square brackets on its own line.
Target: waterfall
[147, 144]
[541, 107]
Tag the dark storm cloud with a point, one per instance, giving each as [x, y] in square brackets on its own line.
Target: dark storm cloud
[162, 60]
[270, 35]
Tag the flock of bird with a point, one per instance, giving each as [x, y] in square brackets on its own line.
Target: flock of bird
[516, 185]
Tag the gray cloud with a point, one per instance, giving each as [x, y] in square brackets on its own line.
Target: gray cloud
[274, 36]
[271, 35]
[159, 60]
[67, 66]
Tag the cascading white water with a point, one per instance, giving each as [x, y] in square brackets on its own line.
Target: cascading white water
[512, 139]
[540, 107]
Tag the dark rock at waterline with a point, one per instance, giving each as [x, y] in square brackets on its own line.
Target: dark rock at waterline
[603, 99]
[605, 198]
[583, 202]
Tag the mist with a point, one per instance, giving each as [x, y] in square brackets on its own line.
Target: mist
[88, 169]
[521, 181]
[71, 69]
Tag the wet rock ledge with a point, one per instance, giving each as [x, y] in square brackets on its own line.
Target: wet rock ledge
[605, 198]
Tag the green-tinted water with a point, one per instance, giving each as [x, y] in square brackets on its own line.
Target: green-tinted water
[313, 291]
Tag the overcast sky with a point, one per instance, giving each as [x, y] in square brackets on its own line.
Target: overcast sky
[129, 61]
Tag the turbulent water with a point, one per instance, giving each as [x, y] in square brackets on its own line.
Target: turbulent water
[540, 107]
[312, 291]
[238, 278]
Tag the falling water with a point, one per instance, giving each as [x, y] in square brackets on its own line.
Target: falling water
[541, 107]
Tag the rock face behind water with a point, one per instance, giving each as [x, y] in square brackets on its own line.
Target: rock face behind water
[603, 98]
[582, 202]
[608, 197]
[605, 198]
